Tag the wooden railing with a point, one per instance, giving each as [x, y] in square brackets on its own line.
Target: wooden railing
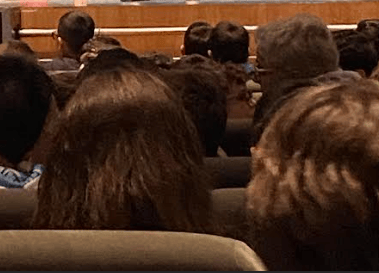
[144, 28]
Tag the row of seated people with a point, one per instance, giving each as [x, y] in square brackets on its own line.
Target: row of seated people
[120, 145]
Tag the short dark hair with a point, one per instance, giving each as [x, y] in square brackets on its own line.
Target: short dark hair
[158, 59]
[356, 51]
[108, 60]
[25, 92]
[203, 93]
[229, 41]
[196, 38]
[126, 156]
[18, 48]
[76, 28]
[370, 27]
[197, 61]
[315, 180]
[93, 47]
[100, 42]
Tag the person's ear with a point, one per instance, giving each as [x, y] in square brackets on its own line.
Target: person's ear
[60, 42]
[361, 72]
[182, 50]
[252, 150]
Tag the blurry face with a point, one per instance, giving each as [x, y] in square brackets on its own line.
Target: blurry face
[262, 74]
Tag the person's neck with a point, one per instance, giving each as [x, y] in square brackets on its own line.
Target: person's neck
[69, 54]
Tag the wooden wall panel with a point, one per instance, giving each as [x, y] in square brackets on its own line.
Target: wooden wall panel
[183, 15]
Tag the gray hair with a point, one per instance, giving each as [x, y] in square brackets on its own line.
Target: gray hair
[297, 47]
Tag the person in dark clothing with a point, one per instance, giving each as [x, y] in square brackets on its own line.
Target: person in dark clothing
[75, 28]
[290, 54]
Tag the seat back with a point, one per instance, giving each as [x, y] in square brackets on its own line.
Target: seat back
[229, 172]
[17, 207]
[237, 137]
[123, 250]
[229, 211]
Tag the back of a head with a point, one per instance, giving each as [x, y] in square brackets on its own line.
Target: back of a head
[25, 91]
[76, 28]
[109, 60]
[101, 42]
[196, 38]
[297, 47]
[18, 48]
[197, 61]
[231, 74]
[203, 92]
[126, 156]
[356, 51]
[95, 45]
[370, 27]
[158, 60]
[315, 177]
[229, 42]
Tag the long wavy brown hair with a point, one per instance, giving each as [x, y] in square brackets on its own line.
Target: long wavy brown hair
[316, 181]
[125, 156]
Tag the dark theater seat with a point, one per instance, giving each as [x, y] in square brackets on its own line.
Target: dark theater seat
[237, 137]
[229, 172]
[16, 208]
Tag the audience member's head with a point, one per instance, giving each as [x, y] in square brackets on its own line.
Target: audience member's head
[196, 39]
[18, 48]
[315, 181]
[156, 59]
[92, 48]
[370, 27]
[203, 92]
[25, 92]
[356, 51]
[109, 60]
[126, 156]
[196, 61]
[298, 47]
[75, 28]
[290, 53]
[229, 42]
